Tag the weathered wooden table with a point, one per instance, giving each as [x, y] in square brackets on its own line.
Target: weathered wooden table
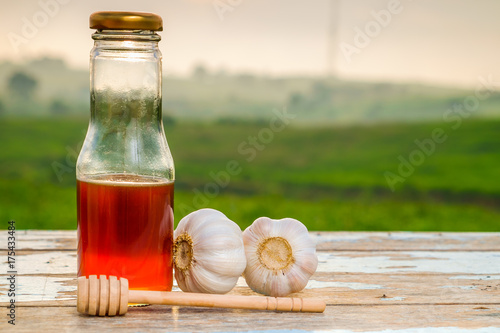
[435, 282]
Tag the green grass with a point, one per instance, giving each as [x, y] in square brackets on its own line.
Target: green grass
[331, 178]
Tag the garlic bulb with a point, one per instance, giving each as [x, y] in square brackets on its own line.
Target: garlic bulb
[281, 257]
[209, 254]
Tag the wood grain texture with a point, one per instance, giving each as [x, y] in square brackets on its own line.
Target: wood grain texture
[42, 240]
[438, 282]
[337, 241]
[407, 241]
[427, 318]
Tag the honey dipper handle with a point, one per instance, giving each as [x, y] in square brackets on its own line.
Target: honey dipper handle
[227, 301]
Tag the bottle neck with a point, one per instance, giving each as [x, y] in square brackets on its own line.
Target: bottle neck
[131, 35]
[125, 77]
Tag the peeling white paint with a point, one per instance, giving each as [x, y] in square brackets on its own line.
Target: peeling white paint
[54, 262]
[459, 236]
[241, 282]
[325, 237]
[39, 239]
[38, 288]
[392, 298]
[407, 330]
[314, 284]
[461, 287]
[464, 263]
[469, 262]
[413, 330]
[175, 286]
[475, 277]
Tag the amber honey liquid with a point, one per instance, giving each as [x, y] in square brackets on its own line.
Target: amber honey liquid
[125, 228]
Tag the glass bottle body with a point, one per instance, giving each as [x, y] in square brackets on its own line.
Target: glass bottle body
[125, 172]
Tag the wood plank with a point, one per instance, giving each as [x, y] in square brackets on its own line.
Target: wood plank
[467, 262]
[58, 240]
[407, 241]
[48, 277]
[409, 318]
[326, 241]
[344, 289]
[42, 262]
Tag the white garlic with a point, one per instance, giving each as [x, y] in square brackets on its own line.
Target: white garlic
[209, 254]
[281, 256]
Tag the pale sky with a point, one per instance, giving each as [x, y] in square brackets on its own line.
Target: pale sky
[433, 41]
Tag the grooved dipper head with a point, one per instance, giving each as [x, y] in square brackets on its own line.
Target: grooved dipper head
[102, 297]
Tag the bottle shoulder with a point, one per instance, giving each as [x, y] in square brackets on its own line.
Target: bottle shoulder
[129, 149]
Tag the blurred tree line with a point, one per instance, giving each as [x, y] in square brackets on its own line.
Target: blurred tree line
[48, 87]
[22, 92]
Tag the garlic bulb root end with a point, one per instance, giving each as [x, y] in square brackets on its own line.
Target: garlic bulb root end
[183, 252]
[275, 253]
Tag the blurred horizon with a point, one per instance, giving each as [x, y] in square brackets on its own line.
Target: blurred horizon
[445, 43]
[47, 86]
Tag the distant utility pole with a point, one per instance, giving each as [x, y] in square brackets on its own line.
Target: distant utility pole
[334, 15]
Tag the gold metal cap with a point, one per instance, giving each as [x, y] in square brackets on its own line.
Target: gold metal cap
[126, 21]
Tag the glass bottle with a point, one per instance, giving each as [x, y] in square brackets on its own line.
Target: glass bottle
[125, 172]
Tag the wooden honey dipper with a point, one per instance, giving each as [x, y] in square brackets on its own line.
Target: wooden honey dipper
[103, 297]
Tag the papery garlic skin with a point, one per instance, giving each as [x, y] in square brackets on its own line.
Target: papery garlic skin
[281, 256]
[209, 254]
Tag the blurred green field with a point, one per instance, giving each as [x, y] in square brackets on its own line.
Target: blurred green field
[331, 178]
